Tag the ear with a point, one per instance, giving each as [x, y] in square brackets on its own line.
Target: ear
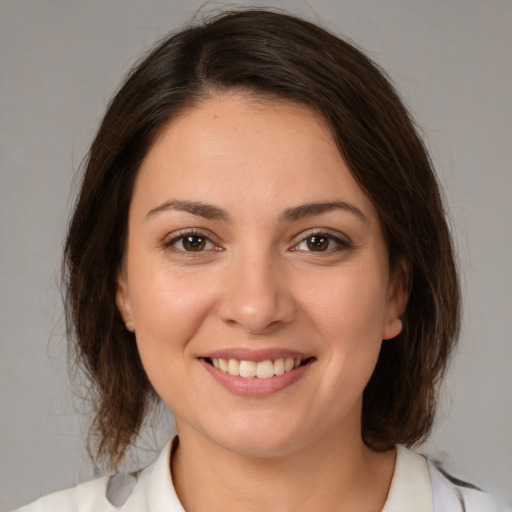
[123, 301]
[398, 295]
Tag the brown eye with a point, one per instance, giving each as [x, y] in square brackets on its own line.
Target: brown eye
[322, 243]
[193, 243]
[317, 243]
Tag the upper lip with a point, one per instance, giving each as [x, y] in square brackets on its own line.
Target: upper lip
[256, 355]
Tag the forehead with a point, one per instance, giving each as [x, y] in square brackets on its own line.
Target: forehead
[235, 147]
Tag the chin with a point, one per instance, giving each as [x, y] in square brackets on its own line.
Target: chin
[258, 438]
[258, 446]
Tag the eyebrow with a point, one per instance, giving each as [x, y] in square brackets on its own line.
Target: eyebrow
[207, 211]
[311, 209]
[295, 213]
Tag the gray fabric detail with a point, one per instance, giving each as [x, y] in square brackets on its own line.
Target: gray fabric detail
[446, 496]
[454, 480]
[119, 488]
[461, 499]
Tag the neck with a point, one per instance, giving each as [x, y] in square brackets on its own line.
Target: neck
[326, 475]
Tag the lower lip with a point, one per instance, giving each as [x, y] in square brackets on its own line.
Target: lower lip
[255, 387]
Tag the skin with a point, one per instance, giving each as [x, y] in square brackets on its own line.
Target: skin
[258, 282]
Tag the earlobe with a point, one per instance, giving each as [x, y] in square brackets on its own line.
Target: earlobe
[398, 296]
[123, 301]
[392, 329]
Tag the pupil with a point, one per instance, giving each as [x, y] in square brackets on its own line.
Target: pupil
[194, 243]
[318, 243]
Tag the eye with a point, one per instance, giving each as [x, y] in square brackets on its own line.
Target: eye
[318, 243]
[321, 242]
[191, 242]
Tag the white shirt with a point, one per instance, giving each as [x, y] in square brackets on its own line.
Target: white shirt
[417, 486]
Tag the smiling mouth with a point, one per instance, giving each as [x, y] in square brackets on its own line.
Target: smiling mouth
[266, 369]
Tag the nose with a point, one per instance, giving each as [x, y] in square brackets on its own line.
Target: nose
[256, 296]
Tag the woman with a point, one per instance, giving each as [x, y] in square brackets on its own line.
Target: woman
[260, 242]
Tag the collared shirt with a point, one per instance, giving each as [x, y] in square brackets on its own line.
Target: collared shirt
[417, 486]
[411, 488]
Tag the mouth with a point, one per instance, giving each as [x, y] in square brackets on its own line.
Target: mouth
[266, 369]
[259, 374]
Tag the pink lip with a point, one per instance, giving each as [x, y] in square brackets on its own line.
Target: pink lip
[256, 355]
[255, 387]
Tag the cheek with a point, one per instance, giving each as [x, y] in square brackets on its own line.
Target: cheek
[168, 310]
[349, 306]
[169, 307]
[346, 311]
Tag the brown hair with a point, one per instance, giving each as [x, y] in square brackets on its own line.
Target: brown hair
[274, 55]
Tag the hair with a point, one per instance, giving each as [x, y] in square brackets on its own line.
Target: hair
[273, 56]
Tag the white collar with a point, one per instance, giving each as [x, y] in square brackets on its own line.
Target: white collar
[410, 490]
[162, 496]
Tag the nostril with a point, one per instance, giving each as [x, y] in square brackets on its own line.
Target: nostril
[256, 302]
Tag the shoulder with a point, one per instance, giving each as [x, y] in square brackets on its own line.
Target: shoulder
[148, 489]
[451, 494]
[84, 497]
[422, 485]
[120, 492]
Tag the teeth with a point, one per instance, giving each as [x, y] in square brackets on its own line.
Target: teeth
[247, 369]
[265, 369]
[233, 367]
[250, 369]
[279, 366]
[223, 365]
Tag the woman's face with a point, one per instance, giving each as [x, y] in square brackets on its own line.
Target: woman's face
[251, 249]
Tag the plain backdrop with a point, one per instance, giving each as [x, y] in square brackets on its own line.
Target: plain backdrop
[61, 60]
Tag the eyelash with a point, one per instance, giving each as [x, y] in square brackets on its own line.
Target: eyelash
[340, 243]
[190, 233]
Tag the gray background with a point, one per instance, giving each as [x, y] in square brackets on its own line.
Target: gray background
[60, 61]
